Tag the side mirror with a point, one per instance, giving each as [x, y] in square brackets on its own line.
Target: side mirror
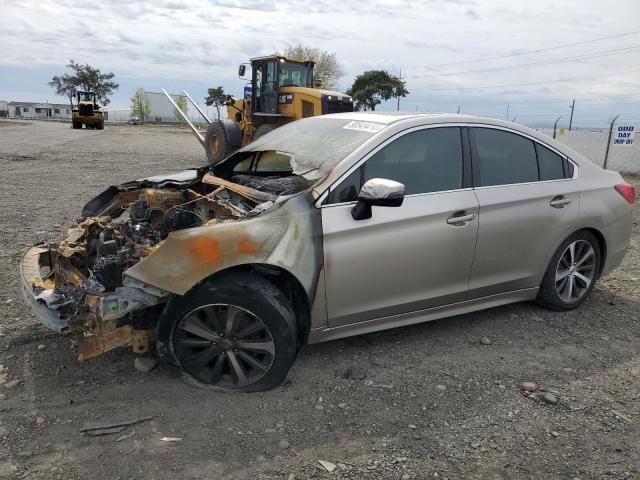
[379, 192]
[241, 70]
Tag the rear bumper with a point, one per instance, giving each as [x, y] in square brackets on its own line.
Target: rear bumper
[30, 278]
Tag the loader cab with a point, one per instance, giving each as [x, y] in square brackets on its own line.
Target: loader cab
[271, 73]
[87, 103]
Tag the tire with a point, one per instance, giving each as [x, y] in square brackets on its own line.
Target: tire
[212, 334]
[76, 125]
[264, 128]
[564, 285]
[216, 143]
[100, 125]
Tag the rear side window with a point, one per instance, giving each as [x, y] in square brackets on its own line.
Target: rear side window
[504, 158]
[424, 161]
[551, 164]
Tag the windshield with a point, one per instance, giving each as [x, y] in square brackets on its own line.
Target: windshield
[86, 97]
[313, 146]
[294, 75]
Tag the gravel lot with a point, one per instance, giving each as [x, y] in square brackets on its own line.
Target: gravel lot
[427, 401]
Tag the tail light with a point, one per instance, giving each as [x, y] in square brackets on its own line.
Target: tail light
[627, 191]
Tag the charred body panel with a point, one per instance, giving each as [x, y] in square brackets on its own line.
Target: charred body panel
[141, 243]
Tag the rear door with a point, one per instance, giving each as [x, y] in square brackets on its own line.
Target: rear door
[528, 205]
[406, 258]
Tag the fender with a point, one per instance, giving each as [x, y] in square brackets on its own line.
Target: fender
[234, 135]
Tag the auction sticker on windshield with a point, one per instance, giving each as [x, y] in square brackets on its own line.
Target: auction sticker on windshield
[364, 126]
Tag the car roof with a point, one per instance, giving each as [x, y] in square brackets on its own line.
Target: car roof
[396, 122]
[410, 119]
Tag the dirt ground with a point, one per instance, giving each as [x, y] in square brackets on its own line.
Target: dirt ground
[427, 401]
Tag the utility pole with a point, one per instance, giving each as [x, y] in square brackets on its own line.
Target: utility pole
[572, 107]
[606, 154]
[458, 108]
[507, 116]
[399, 78]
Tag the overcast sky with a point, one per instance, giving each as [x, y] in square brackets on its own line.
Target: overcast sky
[197, 44]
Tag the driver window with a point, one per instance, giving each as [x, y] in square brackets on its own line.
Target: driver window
[425, 161]
[259, 80]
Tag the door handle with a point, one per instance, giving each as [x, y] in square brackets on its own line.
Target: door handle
[560, 201]
[460, 219]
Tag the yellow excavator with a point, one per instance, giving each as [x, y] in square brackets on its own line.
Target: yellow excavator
[87, 112]
[279, 91]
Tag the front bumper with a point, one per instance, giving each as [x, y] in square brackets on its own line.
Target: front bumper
[31, 265]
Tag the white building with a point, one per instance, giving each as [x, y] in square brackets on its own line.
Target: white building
[117, 115]
[35, 110]
[4, 108]
[161, 109]
[163, 112]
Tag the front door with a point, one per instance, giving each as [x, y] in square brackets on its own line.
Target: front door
[266, 91]
[406, 258]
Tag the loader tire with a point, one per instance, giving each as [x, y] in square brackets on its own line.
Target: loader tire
[216, 143]
[76, 125]
[100, 126]
[262, 129]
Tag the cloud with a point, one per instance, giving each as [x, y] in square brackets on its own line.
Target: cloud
[199, 43]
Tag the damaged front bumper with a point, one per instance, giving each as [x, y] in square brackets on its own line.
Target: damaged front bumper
[101, 317]
[31, 266]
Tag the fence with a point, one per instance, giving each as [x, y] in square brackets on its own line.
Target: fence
[593, 145]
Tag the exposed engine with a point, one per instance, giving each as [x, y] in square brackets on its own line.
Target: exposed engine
[130, 226]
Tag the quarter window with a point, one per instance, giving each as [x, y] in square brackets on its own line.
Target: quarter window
[504, 158]
[425, 161]
[550, 164]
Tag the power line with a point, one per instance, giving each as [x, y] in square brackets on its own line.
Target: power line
[610, 74]
[575, 58]
[527, 52]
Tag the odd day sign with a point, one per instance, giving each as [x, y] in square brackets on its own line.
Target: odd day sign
[624, 135]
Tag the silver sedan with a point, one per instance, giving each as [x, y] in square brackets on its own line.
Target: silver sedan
[328, 227]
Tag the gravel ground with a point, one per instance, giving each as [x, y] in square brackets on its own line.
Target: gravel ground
[437, 400]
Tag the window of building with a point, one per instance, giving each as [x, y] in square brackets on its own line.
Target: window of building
[25, 109]
[57, 110]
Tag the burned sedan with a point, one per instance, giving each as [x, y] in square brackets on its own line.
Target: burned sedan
[229, 269]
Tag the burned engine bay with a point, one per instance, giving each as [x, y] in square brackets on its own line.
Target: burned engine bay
[82, 279]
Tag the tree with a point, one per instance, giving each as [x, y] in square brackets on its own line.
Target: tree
[375, 86]
[91, 79]
[327, 69]
[140, 105]
[64, 86]
[216, 98]
[181, 102]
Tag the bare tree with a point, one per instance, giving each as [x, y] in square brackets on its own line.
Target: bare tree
[327, 70]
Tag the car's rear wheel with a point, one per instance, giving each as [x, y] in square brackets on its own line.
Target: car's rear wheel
[572, 273]
[234, 334]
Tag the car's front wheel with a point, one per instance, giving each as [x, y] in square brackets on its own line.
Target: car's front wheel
[237, 333]
[572, 273]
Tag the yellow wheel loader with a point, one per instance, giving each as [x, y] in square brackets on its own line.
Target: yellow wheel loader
[87, 112]
[280, 91]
